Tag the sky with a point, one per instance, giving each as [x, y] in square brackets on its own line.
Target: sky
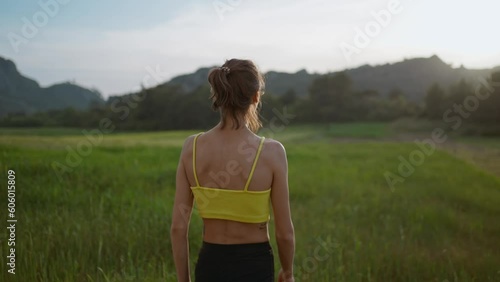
[114, 46]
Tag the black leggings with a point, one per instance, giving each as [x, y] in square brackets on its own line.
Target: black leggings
[235, 263]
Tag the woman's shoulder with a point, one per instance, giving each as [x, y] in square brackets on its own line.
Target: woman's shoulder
[188, 142]
[273, 143]
[272, 147]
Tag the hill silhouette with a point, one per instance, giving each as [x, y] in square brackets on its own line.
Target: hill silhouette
[411, 77]
[19, 94]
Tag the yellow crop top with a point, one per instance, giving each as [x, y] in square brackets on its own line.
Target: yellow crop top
[237, 205]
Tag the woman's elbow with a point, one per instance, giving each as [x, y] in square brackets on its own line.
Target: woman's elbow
[177, 231]
[286, 235]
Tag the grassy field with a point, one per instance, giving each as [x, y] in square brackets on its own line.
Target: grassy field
[106, 217]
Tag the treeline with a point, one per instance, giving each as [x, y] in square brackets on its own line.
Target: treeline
[479, 103]
[332, 98]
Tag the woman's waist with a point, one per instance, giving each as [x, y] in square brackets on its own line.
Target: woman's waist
[221, 231]
[252, 249]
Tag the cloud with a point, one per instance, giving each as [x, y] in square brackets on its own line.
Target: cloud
[280, 35]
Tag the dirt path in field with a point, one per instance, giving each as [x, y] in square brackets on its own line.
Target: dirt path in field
[483, 156]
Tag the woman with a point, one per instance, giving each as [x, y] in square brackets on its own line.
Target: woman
[233, 175]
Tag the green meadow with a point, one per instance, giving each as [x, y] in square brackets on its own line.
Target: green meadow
[104, 215]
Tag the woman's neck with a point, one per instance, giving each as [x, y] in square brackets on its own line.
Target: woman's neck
[230, 125]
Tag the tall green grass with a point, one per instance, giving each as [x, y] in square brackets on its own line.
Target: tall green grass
[108, 220]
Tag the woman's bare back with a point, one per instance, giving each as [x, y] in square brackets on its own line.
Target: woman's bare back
[224, 160]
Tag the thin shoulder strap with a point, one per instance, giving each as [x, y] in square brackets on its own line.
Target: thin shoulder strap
[194, 159]
[254, 163]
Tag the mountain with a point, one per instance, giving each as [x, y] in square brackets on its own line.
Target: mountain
[191, 81]
[412, 76]
[19, 94]
[277, 83]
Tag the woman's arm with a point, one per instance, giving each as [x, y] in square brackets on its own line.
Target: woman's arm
[285, 236]
[181, 215]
